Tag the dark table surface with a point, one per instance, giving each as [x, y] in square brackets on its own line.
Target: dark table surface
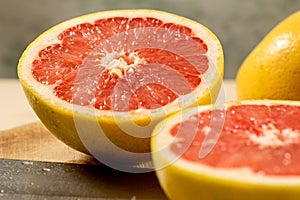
[21, 179]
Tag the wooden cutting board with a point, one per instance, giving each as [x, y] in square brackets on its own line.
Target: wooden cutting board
[34, 142]
[35, 165]
[39, 166]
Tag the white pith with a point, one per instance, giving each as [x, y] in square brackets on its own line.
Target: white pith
[164, 158]
[209, 78]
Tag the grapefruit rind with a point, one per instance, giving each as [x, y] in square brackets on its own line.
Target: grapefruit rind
[271, 70]
[182, 179]
[60, 117]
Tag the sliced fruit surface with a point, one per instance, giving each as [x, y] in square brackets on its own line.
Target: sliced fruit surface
[119, 72]
[272, 69]
[254, 151]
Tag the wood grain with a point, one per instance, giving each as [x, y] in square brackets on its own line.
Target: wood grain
[34, 142]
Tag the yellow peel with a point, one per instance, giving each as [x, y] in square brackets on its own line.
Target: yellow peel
[272, 69]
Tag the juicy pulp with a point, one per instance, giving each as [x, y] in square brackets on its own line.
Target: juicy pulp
[264, 138]
[110, 65]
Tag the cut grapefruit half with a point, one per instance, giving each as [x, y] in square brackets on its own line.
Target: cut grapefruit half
[255, 154]
[100, 82]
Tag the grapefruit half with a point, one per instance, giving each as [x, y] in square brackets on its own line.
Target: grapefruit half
[255, 153]
[100, 82]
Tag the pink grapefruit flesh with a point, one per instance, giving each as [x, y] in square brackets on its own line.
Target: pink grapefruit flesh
[62, 64]
[264, 138]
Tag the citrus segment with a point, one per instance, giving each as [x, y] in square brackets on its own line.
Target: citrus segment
[119, 73]
[257, 149]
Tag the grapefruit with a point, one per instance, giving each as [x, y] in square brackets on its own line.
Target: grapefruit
[254, 151]
[272, 69]
[101, 81]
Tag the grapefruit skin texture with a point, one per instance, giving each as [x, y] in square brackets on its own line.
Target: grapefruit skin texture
[272, 69]
[180, 184]
[58, 116]
[189, 180]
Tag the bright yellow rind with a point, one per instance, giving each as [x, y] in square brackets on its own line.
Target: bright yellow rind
[181, 179]
[179, 183]
[272, 69]
[58, 116]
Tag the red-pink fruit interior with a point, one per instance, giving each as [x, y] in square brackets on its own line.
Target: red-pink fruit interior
[263, 138]
[122, 63]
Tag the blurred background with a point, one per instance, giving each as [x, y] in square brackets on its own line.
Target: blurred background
[239, 24]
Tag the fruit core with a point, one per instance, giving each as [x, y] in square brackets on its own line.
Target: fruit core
[264, 138]
[122, 63]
